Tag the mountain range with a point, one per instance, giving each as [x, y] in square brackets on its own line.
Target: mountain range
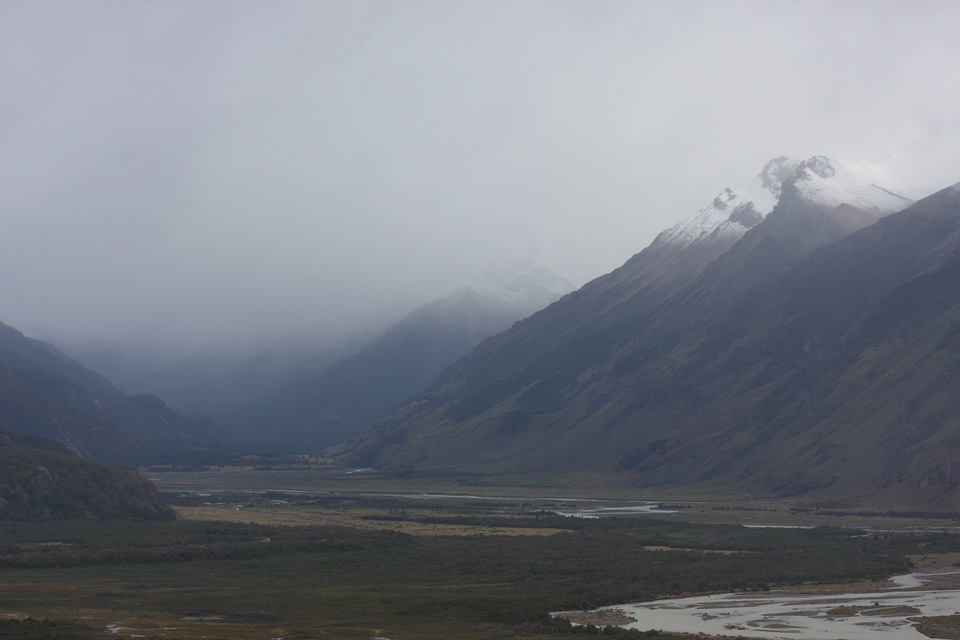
[283, 399]
[795, 337]
[799, 336]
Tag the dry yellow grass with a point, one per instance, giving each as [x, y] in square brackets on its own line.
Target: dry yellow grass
[725, 552]
[301, 516]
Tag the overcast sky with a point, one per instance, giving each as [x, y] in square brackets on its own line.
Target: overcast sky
[194, 172]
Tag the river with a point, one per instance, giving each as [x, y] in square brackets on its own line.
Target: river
[882, 614]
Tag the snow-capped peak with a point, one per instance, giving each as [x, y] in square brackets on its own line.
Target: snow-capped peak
[819, 180]
[734, 211]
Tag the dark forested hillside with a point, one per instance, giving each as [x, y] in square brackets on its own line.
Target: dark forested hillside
[42, 480]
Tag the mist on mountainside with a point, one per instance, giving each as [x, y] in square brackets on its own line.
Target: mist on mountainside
[295, 399]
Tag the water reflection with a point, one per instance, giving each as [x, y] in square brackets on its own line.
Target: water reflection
[594, 512]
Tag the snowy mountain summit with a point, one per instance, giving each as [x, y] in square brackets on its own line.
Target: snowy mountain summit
[734, 211]
[818, 180]
[518, 284]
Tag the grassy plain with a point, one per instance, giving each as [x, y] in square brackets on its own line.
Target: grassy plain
[547, 491]
[258, 555]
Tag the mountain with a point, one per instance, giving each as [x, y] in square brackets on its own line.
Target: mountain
[811, 356]
[314, 411]
[44, 393]
[44, 359]
[42, 480]
[852, 356]
[292, 401]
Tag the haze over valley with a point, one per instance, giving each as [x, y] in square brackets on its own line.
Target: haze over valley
[180, 178]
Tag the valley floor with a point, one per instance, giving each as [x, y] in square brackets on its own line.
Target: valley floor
[580, 494]
[297, 555]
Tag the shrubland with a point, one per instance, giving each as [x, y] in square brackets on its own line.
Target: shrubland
[187, 579]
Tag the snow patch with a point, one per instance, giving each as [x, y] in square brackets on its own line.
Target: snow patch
[831, 183]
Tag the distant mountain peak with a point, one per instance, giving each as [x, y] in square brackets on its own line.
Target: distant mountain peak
[518, 283]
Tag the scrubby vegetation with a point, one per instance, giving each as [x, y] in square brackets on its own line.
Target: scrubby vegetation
[245, 580]
[30, 629]
[42, 480]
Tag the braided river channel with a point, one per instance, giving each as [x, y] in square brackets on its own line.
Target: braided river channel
[886, 614]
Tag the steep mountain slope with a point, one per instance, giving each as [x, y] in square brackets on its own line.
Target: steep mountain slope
[44, 359]
[851, 357]
[704, 386]
[44, 393]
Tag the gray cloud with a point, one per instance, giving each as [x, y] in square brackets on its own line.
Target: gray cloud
[181, 171]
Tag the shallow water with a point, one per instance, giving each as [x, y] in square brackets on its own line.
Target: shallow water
[882, 614]
[650, 507]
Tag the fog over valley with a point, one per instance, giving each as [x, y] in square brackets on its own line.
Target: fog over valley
[219, 176]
